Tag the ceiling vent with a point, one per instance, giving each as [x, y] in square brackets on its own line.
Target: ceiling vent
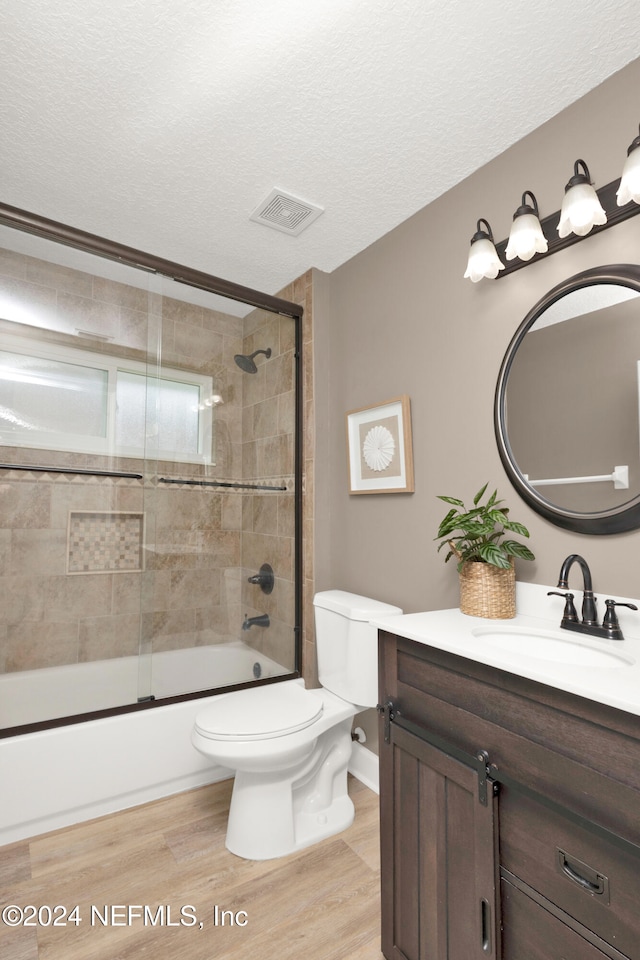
[286, 213]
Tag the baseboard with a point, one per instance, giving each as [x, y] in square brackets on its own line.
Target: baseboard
[364, 767]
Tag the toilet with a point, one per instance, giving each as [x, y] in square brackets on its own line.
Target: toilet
[290, 747]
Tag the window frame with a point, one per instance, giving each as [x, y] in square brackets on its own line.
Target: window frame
[154, 375]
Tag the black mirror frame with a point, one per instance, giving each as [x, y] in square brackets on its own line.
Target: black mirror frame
[619, 519]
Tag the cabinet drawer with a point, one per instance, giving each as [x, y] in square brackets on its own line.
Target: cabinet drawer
[591, 878]
[532, 933]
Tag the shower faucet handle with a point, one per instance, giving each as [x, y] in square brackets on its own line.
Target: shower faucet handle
[264, 579]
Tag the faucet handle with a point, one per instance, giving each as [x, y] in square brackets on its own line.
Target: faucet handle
[610, 622]
[569, 614]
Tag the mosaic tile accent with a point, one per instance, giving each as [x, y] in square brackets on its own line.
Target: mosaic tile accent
[105, 542]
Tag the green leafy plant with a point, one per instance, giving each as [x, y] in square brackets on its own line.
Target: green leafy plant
[477, 534]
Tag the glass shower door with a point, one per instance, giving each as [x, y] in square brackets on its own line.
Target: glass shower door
[148, 460]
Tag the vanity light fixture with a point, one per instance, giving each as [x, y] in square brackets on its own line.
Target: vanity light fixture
[483, 258]
[581, 209]
[526, 237]
[584, 210]
[629, 188]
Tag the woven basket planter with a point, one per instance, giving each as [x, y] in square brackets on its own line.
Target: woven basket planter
[488, 591]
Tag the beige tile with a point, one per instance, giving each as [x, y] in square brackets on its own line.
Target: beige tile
[155, 586]
[34, 644]
[169, 629]
[102, 638]
[223, 547]
[193, 588]
[200, 345]
[232, 512]
[279, 375]
[286, 412]
[126, 593]
[133, 329]
[83, 313]
[265, 514]
[62, 279]
[84, 595]
[286, 515]
[5, 552]
[83, 496]
[24, 598]
[39, 552]
[264, 420]
[24, 504]
[121, 294]
[275, 456]
[179, 310]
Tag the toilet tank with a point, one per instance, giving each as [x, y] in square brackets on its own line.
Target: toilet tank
[347, 644]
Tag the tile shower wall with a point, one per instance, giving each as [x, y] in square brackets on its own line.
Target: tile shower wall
[188, 588]
[259, 517]
[268, 521]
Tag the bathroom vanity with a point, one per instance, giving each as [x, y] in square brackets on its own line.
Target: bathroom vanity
[509, 787]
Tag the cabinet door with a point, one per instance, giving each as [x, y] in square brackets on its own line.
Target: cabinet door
[438, 869]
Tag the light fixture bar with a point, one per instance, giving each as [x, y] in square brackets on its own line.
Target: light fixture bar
[615, 214]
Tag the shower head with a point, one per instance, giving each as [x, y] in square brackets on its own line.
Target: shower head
[248, 364]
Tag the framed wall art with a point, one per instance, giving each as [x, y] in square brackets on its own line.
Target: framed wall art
[379, 448]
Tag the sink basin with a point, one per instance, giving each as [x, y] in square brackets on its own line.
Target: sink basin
[552, 645]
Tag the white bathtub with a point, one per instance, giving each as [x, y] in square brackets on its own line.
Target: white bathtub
[66, 774]
[34, 695]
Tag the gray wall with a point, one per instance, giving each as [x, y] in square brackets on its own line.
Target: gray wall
[399, 318]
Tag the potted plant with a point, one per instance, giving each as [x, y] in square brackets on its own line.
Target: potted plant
[477, 539]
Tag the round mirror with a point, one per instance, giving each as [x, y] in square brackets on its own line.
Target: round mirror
[567, 401]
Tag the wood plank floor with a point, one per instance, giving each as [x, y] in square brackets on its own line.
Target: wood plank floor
[319, 904]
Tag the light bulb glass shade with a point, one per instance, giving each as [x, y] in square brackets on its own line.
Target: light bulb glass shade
[483, 261]
[581, 210]
[526, 238]
[629, 188]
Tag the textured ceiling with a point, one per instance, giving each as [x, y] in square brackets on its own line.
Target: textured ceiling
[161, 124]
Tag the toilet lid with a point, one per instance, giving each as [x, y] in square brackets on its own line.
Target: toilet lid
[259, 713]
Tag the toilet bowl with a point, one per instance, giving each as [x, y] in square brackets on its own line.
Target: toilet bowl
[290, 747]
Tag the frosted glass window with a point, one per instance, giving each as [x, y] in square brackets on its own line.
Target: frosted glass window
[51, 396]
[62, 398]
[161, 414]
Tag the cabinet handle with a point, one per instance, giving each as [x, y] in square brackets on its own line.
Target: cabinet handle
[485, 925]
[582, 874]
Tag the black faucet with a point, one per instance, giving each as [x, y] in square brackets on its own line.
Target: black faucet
[610, 628]
[588, 600]
[260, 621]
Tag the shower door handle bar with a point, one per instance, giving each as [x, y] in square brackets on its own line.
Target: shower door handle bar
[221, 483]
[136, 476]
[71, 470]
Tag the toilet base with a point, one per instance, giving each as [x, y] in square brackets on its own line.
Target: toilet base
[275, 815]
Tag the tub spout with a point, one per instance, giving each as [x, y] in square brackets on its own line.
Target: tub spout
[260, 621]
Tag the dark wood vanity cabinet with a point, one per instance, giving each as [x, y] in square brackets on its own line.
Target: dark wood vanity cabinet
[510, 815]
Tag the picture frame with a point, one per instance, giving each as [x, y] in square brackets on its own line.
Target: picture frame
[379, 448]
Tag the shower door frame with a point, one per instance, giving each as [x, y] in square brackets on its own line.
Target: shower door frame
[64, 234]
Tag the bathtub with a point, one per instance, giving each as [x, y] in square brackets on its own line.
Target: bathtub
[53, 778]
[34, 695]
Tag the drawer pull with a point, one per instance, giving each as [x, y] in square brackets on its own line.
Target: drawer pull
[585, 876]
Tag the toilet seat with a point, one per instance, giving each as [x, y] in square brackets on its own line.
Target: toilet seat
[259, 713]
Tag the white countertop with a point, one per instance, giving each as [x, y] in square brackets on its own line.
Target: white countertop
[614, 681]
